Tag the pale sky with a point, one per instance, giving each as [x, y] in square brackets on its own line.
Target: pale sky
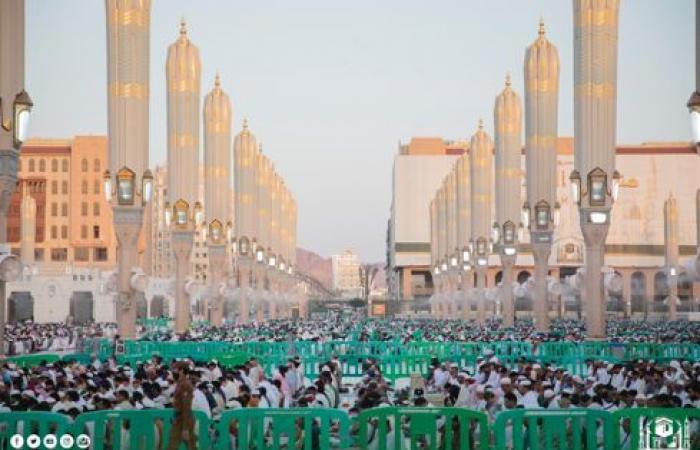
[330, 87]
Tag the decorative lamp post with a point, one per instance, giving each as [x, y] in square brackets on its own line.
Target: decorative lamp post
[508, 149]
[15, 108]
[541, 69]
[595, 180]
[218, 236]
[182, 224]
[128, 202]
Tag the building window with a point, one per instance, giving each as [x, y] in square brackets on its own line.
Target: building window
[54, 187]
[96, 209]
[39, 254]
[54, 232]
[96, 231]
[64, 231]
[64, 165]
[84, 187]
[64, 188]
[54, 165]
[83, 231]
[42, 165]
[96, 187]
[84, 209]
[54, 209]
[84, 165]
[96, 164]
[59, 254]
[64, 209]
[100, 254]
[82, 254]
[31, 165]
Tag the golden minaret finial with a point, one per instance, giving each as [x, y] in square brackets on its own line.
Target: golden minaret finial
[183, 27]
[508, 79]
[245, 123]
[541, 30]
[481, 123]
[260, 147]
[217, 80]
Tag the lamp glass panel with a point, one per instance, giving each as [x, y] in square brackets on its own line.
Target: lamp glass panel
[181, 217]
[147, 190]
[576, 190]
[22, 124]
[542, 217]
[509, 235]
[695, 124]
[125, 191]
[597, 190]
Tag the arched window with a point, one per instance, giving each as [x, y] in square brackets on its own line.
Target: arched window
[84, 187]
[54, 165]
[64, 188]
[96, 187]
[64, 165]
[84, 165]
[660, 291]
[54, 187]
[64, 209]
[96, 209]
[638, 292]
[97, 164]
[42, 165]
[31, 165]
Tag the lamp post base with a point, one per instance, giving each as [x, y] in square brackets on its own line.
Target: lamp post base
[128, 221]
[181, 245]
[594, 236]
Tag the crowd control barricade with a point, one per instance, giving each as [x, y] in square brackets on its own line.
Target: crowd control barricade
[275, 428]
[549, 429]
[27, 423]
[396, 428]
[642, 428]
[136, 430]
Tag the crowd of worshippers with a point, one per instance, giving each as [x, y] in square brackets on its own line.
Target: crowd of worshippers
[70, 388]
[31, 337]
[335, 327]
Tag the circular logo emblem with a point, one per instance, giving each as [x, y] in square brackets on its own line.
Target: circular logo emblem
[67, 441]
[33, 441]
[17, 441]
[82, 441]
[50, 441]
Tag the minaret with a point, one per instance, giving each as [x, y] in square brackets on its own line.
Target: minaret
[128, 62]
[464, 227]
[217, 154]
[442, 246]
[244, 151]
[182, 71]
[27, 227]
[671, 253]
[481, 166]
[594, 178]
[508, 124]
[265, 220]
[541, 70]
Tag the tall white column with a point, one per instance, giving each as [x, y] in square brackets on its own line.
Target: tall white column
[128, 60]
[541, 70]
[181, 246]
[481, 174]
[595, 110]
[508, 149]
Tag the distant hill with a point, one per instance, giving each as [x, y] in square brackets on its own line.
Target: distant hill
[315, 266]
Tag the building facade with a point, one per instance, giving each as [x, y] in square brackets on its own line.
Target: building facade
[346, 275]
[635, 245]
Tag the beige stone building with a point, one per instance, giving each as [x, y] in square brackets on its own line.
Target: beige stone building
[635, 244]
[73, 221]
[346, 274]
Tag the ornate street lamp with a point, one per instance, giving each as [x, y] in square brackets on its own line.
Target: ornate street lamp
[19, 124]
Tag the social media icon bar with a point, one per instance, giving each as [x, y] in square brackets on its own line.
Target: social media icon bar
[17, 441]
[33, 441]
[83, 441]
[67, 441]
[50, 441]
